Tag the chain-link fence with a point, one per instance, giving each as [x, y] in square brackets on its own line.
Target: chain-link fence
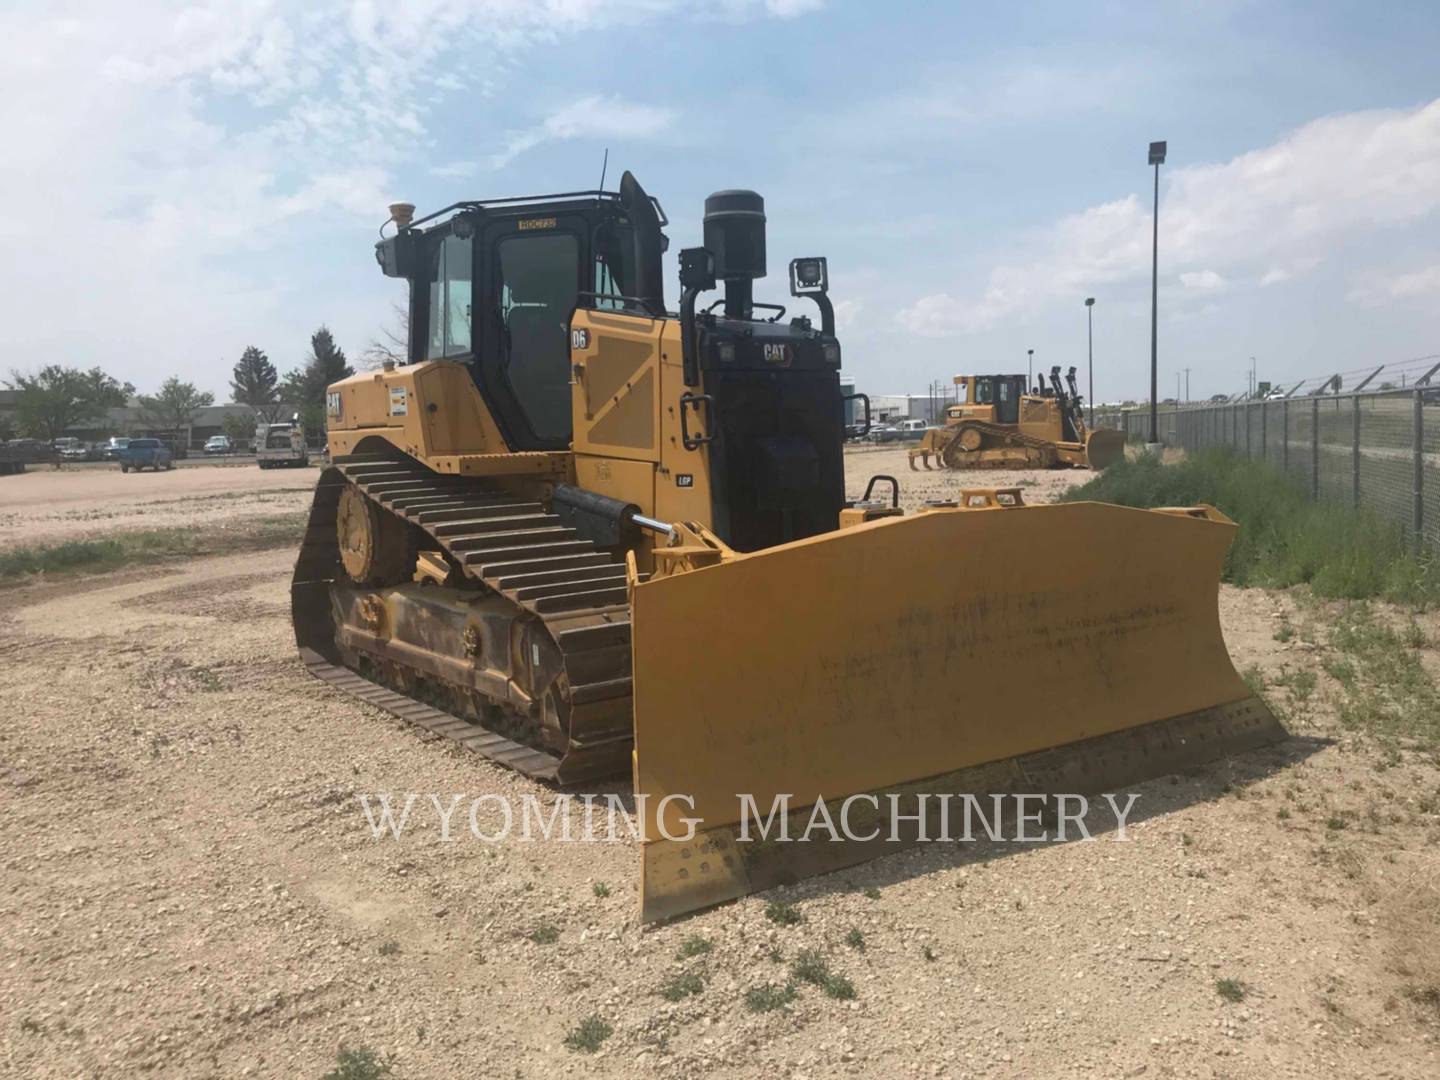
[1379, 450]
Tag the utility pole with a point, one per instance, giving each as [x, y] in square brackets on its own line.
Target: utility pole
[1187, 385]
[1090, 350]
[1157, 158]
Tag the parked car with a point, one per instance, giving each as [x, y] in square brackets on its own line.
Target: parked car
[900, 431]
[110, 450]
[146, 454]
[70, 449]
[218, 444]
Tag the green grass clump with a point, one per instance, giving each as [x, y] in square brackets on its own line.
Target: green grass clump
[809, 966]
[360, 1063]
[855, 939]
[1386, 691]
[600, 889]
[1284, 539]
[682, 986]
[1232, 990]
[544, 935]
[777, 911]
[695, 945]
[768, 998]
[144, 546]
[586, 1038]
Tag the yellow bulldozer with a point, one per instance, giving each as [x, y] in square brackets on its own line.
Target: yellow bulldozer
[582, 534]
[999, 423]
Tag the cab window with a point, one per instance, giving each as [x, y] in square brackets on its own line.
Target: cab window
[539, 278]
[450, 297]
[613, 269]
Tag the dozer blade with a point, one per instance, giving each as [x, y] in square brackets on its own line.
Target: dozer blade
[1104, 448]
[1070, 648]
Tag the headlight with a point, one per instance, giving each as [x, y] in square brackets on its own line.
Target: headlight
[832, 353]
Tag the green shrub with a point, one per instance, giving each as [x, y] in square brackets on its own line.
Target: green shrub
[694, 945]
[768, 998]
[360, 1063]
[679, 987]
[777, 911]
[586, 1038]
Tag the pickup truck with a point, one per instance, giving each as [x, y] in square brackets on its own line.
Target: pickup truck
[146, 454]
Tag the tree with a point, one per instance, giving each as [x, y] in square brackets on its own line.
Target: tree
[174, 408]
[393, 344]
[305, 387]
[57, 398]
[255, 382]
[241, 429]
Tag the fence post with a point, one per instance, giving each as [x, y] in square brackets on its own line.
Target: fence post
[1315, 447]
[1285, 436]
[1355, 457]
[1419, 467]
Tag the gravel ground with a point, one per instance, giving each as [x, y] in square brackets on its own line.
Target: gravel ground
[190, 887]
[44, 505]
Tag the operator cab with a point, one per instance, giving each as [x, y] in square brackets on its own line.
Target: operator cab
[494, 284]
[1002, 392]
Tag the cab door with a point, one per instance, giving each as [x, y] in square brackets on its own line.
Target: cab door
[530, 271]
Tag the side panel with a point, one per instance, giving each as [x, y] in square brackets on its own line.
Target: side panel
[616, 385]
[428, 410]
[682, 482]
[628, 385]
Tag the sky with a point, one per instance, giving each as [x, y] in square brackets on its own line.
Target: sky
[185, 180]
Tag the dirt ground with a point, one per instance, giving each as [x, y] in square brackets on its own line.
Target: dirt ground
[189, 887]
[44, 504]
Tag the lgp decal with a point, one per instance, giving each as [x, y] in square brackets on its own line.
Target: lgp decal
[684, 479]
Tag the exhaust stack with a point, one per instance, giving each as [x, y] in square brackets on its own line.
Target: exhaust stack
[735, 236]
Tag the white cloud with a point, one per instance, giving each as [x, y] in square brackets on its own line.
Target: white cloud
[1381, 288]
[1291, 204]
[593, 117]
[847, 314]
[172, 170]
[1202, 280]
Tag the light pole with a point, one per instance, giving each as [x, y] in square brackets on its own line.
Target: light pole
[1090, 350]
[1030, 367]
[1253, 383]
[1157, 158]
[1187, 386]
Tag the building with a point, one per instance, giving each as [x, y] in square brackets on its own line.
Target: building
[131, 420]
[890, 408]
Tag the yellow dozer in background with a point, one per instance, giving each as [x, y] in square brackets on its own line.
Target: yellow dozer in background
[998, 423]
[582, 535]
